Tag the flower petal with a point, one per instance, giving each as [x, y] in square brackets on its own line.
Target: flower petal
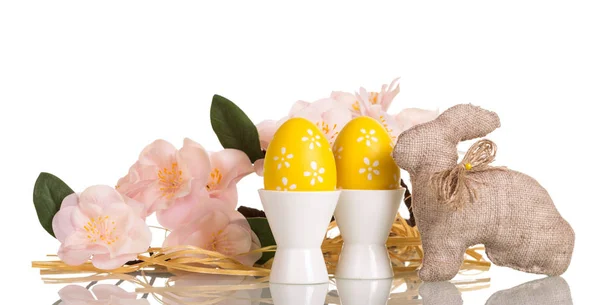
[234, 165]
[349, 100]
[297, 107]
[228, 196]
[185, 209]
[388, 93]
[105, 262]
[62, 224]
[159, 153]
[100, 196]
[250, 259]
[137, 207]
[139, 237]
[74, 257]
[259, 167]
[198, 232]
[235, 240]
[195, 160]
[266, 131]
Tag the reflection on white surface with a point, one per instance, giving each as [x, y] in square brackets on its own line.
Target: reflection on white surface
[361, 292]
[98, 295]
[550, 290]
[213, 289]
[286, 294]
[438, 293]
[239, 290]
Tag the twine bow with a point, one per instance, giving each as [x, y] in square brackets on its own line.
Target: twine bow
[451, 185]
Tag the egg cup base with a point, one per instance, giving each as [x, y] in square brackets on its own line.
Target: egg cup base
[365, 218]
[299, 221]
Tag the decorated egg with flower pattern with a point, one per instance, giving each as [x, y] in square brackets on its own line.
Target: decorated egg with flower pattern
[299, 158]
[363, 155]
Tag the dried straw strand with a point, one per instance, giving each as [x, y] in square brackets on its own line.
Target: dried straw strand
[404, 246]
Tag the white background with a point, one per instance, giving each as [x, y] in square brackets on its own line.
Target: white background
[84, 86]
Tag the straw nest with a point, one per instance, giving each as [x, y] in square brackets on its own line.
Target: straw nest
[404, 246]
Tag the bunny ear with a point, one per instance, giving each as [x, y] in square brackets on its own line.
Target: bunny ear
[465, 122]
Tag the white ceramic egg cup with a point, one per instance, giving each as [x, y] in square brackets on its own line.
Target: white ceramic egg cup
[365, 218]
[361, 292]
[299, 221]
[289, 294]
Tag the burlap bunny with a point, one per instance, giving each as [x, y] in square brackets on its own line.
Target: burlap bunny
[460, 205]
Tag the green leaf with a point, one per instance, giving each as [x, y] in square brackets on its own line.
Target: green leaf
[48, 194]
[261, 228]
[234, 129]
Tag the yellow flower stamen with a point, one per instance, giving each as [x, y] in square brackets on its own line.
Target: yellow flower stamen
[101, 229]
[373, 96]
[170, 180]
[215, 179]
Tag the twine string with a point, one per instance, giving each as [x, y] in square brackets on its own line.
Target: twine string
[452, 186]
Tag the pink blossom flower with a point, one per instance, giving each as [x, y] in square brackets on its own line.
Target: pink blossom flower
[228, 166]
[376, 106]
[164, 177]
[220, 230]
[163, 174]
[99, 223]
[102, 294]
[382, 98]
[360, 103]
[331, 114]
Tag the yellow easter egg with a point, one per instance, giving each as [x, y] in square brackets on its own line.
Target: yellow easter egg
[363, 155]
[299, 158]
